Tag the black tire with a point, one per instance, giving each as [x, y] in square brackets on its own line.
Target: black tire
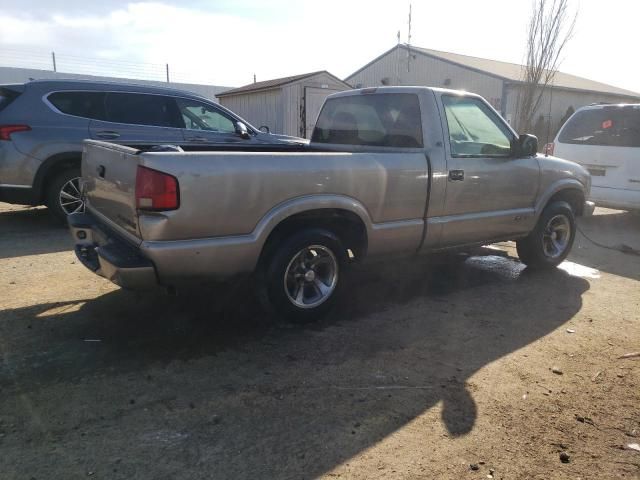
[54, 189]
[540, 249]
[282, 274]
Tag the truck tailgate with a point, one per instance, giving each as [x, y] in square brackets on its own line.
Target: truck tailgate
[109, 176]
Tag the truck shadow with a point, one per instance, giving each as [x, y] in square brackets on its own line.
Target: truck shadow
[31, 231]
[250, 400]
[618, 231]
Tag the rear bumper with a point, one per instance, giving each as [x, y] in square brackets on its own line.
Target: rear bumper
[106, 254]
[616, 198]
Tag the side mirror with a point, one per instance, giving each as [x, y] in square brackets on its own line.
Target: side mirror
[264, 129]
[241, 129]
[527, 145]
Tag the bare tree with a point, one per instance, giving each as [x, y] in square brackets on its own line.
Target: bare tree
[550, 29]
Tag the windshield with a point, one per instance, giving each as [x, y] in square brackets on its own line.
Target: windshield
[613, 126]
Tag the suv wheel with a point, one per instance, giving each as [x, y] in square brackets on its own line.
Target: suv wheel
[302, 277]
[63, 196]
[551, 240]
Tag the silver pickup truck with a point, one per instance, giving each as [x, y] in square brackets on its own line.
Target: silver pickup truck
[393, 170]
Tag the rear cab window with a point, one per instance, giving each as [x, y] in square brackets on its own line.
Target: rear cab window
[612, 126]
[381, 120]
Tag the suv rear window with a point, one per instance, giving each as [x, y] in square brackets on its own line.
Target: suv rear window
[609, 126]
[143, 109]
[382, 120]
[80, 104]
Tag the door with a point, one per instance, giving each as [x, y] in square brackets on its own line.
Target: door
[313, 100]
[206, 124]
[138, 118]
[490, 194]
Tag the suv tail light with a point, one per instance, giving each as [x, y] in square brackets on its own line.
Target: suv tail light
[156, 190]
[7, 130]
[548, 148]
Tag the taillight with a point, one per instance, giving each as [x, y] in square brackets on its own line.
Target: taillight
[156, 190]
[548, 148]
[7, 130]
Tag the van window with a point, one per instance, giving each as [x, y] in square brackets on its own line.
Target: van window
[80, 104]
[608, 126]
[142, 109]
[382, 120]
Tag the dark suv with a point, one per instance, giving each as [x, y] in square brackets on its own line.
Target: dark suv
[43, 124]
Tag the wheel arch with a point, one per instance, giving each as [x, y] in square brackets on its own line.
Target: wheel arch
[50, 167]
[568, 190]
[343, 216]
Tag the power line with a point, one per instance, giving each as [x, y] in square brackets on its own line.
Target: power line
[76, 64]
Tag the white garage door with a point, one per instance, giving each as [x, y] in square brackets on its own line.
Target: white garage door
[313, 101]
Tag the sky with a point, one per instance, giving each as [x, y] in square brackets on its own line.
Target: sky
[226, 42]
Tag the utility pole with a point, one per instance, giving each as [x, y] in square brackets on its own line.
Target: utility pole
[53, 57]
[254, 78]
[167, 65]
[409, 41]
[398, 60]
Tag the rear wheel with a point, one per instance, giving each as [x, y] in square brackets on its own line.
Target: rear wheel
[550, 242]
[63, 195]
[301, 278]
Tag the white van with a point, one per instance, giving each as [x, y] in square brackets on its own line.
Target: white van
[605, 139]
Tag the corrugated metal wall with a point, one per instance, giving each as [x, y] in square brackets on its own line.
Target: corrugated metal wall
[391, 69]
[258, 108]
[281, 109]
[293, 101]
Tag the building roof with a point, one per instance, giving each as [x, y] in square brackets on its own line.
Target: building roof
[512, 72]
[275, 83]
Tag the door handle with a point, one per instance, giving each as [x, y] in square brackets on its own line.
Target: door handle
[197, 138]
[456, 175]
[108, 134]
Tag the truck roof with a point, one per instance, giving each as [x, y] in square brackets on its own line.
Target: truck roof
[401, 89]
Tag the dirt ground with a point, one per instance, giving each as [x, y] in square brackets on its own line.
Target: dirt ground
[428, 366]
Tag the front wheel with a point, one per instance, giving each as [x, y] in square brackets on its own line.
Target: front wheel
[550, 242]
[302, 277]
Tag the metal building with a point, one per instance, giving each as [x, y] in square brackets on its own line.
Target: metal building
[287, 105]
[498, 82]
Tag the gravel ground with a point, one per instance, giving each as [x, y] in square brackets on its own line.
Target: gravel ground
[428, 369]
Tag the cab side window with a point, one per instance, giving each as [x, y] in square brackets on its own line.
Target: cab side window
[200, 116]
[474, 129]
